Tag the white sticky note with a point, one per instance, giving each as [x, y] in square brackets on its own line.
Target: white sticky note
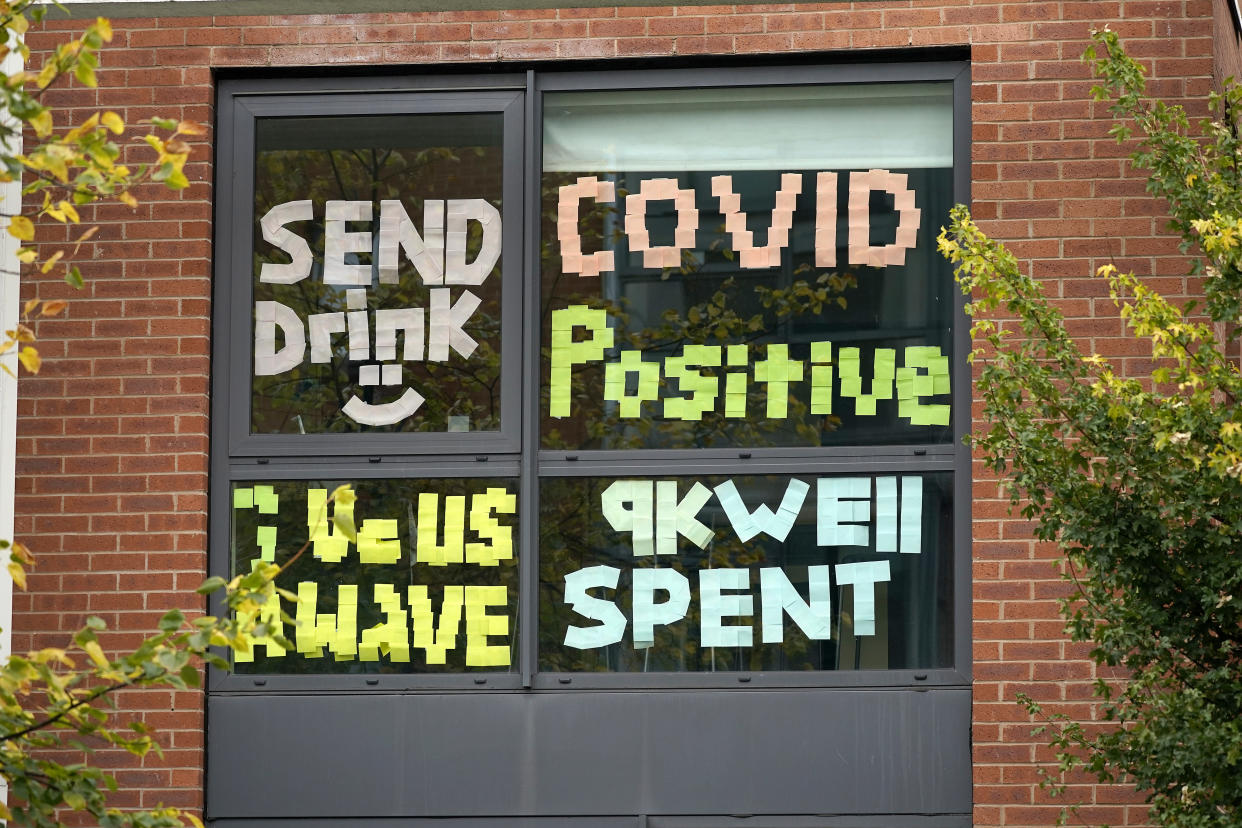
[778, 596]
[459, 212]
[612, 626]
[835, 506]
[627, 506]
[717, 605]
[322, 327]
[397, 232]
[275, 233]
[863, 576]
[268, 317]
[340, 244]
[388, 323]
[777, 524]
[648, 613]
[886, 514]
[911, 514]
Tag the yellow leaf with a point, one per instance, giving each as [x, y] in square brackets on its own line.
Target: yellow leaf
[96, 653]
[30, 358]
[51, 261]
[42, 123]
[26, 255]
[54, 307]
[46, 75]
[5, 813]
[77, 132]
[30, 305]
[18, 574]
[128, 200]
[178, 146]
[21, 228]
[22, 553]
[191, 128]
[19, 24]
[113, 122]
[68, 210]
[104, 25]
[195, 821]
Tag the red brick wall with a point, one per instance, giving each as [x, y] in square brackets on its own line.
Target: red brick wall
[113, 439]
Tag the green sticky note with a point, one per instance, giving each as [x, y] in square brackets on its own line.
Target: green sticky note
[267, 542]
[905, 384]
[243, 498]
[821, 351]
[885, 363]
[266, 499]
[922, 386]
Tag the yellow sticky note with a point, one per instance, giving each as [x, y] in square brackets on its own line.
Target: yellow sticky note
[497, 539]
[328, 545]
[337, 631]
[266, 499]
[392, 635]
[479, 653]
[429, 550]
[435, 640]
[378, 543]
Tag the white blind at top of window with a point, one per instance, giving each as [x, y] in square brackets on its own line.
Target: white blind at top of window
[856, 126]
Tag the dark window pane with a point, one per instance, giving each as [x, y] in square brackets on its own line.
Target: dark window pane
[430, 584]
[377, 274]
[746, 573]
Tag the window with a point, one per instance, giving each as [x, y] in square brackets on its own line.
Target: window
[644, 378]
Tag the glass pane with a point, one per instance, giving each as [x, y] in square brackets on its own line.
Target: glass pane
[746, 573]
[751, 128]
[377, 245]
[430, 584]
[745, 336]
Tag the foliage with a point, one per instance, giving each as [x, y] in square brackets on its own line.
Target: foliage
[1138, 479]
[55, 703]
[67, 168]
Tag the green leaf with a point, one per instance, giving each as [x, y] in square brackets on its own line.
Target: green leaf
[212, 584]
[172, 621]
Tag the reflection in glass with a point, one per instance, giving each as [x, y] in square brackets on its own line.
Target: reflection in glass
[415, 349]
[836, 573]
[430, 583]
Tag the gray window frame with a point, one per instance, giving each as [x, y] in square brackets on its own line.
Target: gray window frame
[515, 451]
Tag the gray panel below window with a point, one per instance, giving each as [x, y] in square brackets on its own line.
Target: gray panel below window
[680, 753]
[881, 821]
